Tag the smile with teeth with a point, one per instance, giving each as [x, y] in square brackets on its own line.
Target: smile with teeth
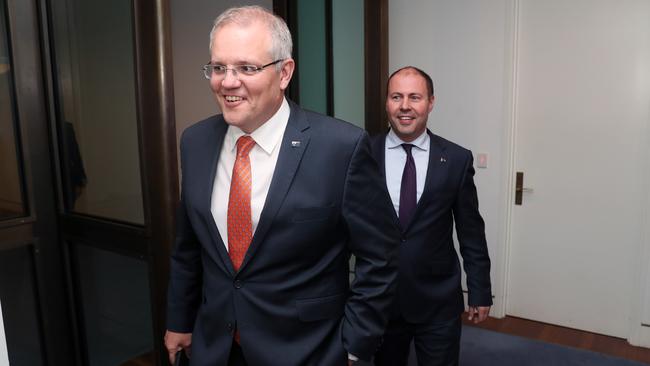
[405, 118]
[232, 98]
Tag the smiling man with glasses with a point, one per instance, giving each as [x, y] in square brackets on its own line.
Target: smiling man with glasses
[274, 200]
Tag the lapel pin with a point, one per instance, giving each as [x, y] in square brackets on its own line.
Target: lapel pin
[443, 160]
[295, 143]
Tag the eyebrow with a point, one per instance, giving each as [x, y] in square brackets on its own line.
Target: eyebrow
[407, 94]
[239, 62]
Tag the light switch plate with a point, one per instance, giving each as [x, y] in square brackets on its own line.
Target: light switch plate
[482, 160]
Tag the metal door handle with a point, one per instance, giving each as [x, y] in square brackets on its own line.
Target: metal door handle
[524, 189]
[520, 189]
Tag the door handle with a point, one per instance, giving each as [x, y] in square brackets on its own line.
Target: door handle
[520, 189]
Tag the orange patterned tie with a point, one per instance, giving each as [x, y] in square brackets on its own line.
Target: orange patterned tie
[240, 225]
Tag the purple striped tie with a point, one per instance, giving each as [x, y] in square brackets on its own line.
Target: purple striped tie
[408, 191]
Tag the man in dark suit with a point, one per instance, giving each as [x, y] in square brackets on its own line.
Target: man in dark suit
[430, 181]
[274, 200]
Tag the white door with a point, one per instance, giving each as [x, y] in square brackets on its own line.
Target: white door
[582, 115]
[4, 356]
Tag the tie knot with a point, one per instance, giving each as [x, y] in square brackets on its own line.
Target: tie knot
[407, 148]
[244, 145]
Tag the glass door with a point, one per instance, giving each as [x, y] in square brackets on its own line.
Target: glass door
[88, 181]
[35, 325]
[94, 84]
[117, 170]
[19, 332]
[341, 52]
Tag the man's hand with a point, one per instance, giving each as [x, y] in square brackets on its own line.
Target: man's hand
[175, 342]
[478, 313]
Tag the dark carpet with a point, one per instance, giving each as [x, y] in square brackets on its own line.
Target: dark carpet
[480, 347]
[485, 347]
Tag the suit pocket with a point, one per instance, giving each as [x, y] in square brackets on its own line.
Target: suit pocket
[320, 308]
[312, 214]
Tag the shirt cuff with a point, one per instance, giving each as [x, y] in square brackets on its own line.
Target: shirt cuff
[352, 357]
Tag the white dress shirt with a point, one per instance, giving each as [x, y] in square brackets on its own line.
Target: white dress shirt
[396, 158]
[263, 157]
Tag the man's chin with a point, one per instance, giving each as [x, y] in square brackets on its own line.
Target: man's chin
[238, 121]
[234, 119]
[405, 131]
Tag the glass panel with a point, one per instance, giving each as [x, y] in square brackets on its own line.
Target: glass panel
[348, 61]
[312, 55]
[19, 310]
[114, 292]
[11, 200]
[95, 86]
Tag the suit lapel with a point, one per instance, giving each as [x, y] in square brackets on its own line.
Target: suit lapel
[435, 172]
[213, 151]
[294, 143]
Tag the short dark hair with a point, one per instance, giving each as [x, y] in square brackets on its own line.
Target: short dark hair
[426, 77]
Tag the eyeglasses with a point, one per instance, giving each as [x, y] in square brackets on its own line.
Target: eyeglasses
[237, 70]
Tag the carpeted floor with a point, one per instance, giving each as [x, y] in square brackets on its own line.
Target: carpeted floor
[485, 347]
[480, 347]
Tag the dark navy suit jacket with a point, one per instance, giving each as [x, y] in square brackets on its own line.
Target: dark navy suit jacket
[429, 280]
[291, 300]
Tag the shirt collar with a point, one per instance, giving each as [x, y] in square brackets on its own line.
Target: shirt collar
[421, 142]
[268, 135]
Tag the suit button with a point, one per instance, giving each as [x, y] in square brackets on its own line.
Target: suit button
[238, 284]
[230, 327]
[403, 240]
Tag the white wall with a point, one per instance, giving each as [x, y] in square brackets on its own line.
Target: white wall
[465, 46]
[4, 356]
[191, 25]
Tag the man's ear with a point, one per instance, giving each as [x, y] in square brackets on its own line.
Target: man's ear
[431, 102]
[286, 72]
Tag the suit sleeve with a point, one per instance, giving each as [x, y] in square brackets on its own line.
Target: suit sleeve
[470, 230]
[184, 292]
[373, 239]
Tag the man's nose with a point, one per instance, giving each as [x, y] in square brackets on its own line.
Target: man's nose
[230, 79]
[405, 104]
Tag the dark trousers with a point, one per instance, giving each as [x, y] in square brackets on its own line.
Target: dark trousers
[236, 356]
[436, 344]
